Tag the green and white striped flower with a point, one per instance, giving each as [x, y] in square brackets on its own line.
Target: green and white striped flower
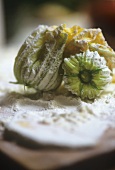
[39, 59]
[86, 74]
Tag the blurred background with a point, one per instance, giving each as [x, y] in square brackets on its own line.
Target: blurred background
[19, 18]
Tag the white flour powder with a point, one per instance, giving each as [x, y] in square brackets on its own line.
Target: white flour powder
[53, 119]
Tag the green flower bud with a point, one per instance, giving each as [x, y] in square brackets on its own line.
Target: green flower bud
[86, 74]
[39, 59]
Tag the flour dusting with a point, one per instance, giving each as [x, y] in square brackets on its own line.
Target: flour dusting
[61, 120]
[57, 119]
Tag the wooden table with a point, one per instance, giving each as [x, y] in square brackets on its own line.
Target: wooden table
[100, 157]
